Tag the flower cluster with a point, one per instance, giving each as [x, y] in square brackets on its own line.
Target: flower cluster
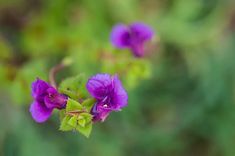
[106, 89]
[46, 98]
[104, 92]
[132, 37]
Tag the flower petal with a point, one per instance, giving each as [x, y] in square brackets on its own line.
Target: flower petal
[120, 97]
[138, 49]
[53, 99]
[141, 31]
[39, 112]
[39, 88]
[99, 114]
[120, 36]
[97, 85]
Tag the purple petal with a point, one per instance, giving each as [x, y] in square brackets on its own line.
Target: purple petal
[99, 114]
[109, 93]
[39, 112]
[53, 99]
[97, 85]
[141, 31]
[120, 36]
[138, 49]
[39, 88]
[120, 97]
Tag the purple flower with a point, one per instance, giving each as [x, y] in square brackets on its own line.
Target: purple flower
[133, 37]
[46, 98]
[109, 93]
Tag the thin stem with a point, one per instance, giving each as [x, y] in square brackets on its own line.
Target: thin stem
[75, 112]
[54, 70]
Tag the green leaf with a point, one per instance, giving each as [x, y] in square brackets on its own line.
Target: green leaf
[86, 116]
[73, 105]
[86, 130]
[88, 103]
[76, 120]
[82, 122]
[64, 126]
[73, 86]
[137, 71]
[62, 114]
[73, 121]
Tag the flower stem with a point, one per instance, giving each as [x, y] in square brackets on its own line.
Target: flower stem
[76, 112]
[54, 70]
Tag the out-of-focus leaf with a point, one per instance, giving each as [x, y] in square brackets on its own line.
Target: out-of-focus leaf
[21, 86]
[138, 70]
[73, 87]
[5, 50]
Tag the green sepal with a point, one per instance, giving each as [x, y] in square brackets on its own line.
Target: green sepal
[75, 119]
[88, 103]
[86, 116]
[62, 114]
[84, 124]
[64, 126]
[81, 122]
[73, 105]
[86, 130]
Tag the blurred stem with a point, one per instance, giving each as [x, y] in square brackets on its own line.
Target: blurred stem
[54, 70]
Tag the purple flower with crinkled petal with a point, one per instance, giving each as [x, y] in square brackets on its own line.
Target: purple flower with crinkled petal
[133, 36]
[46, 98]
[109, 93]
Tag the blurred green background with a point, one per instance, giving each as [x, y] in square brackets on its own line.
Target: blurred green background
[185, 106]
